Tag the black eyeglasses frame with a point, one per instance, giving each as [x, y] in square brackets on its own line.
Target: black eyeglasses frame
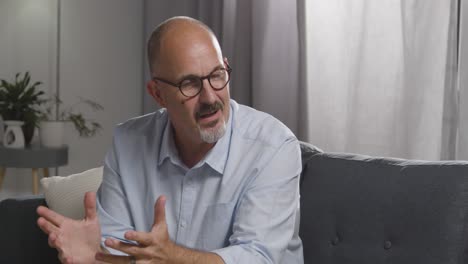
[201, 78]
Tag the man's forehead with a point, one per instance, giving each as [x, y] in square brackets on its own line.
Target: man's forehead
[200, 67]
[182, 38]
[189, 53]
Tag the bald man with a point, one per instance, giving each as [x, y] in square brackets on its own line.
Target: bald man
[203, 180]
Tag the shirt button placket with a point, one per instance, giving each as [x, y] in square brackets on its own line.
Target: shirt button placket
[186, 208]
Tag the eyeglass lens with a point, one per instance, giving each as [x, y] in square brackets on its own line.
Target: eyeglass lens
[217, 79]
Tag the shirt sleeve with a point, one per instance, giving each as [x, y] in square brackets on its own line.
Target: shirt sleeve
[264, 222]
[112, 201]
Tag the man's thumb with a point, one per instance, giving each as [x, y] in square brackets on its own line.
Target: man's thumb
[160, 210]
[90, 205]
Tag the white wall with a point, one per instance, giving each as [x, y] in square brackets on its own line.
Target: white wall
[27, 28]
[101, 58]
[27, 43]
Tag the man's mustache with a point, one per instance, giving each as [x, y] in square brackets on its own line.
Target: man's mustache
[209, 108]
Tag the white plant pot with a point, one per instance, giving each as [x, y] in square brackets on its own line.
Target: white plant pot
[13, 136]
[52, 133]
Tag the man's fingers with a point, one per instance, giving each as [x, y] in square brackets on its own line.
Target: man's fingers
[52, 240]
[46, 226]
[130, 249]
[50, 215]
[141, 238]
[160, 211]
[109, 258]
[61, 257]
[90, 205]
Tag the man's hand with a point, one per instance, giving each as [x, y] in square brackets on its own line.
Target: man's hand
[77, 241]
[155, 246]
[152, 247]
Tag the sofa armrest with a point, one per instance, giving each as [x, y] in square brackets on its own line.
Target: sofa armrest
[21, 240]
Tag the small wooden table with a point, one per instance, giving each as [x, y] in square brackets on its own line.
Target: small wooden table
[34, 157]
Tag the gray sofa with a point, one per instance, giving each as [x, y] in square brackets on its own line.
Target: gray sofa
[354, 210]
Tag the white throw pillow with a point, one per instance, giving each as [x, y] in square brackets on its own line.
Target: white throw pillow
[65, 195]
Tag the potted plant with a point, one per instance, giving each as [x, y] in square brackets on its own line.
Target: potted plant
[52, 129]
[20, 101]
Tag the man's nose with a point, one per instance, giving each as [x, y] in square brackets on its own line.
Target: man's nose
[207, 93]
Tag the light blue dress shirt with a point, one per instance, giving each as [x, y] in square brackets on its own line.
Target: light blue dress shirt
[241, 201]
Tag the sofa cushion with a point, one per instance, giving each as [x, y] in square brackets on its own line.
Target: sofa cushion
[358, 209]
[65, 194]
[21, 240]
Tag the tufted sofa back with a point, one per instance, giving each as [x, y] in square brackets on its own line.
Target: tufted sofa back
[361, 210]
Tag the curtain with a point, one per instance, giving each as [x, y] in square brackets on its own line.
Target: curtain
[380, 77]
[264, 48]
[462, 142]
[261, 41]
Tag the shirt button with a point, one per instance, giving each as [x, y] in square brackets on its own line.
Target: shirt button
[335, 241]
[387, 244]
[182, 224]
[189, 182]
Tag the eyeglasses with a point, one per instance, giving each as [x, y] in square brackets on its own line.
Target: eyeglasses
[192, 86]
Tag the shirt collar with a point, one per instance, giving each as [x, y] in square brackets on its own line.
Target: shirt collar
[216, 158]
[168, 148]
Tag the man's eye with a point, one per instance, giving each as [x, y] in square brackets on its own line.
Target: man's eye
[189, 82]
[217, 75]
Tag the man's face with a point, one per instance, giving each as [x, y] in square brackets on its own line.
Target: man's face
[187, 53]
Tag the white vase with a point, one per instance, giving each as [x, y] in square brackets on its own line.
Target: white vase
[52, 133]
[13, 136]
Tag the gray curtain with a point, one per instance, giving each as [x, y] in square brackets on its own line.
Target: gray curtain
[451, 106]
[462, 139]
[381, 77]
[261, 41]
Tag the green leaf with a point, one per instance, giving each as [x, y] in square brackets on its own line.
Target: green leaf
[19, 99]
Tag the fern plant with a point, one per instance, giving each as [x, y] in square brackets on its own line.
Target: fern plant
[20, 100]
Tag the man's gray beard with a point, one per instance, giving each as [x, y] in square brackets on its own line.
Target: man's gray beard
[212, 135]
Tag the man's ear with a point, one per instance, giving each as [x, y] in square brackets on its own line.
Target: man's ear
[153, 89]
